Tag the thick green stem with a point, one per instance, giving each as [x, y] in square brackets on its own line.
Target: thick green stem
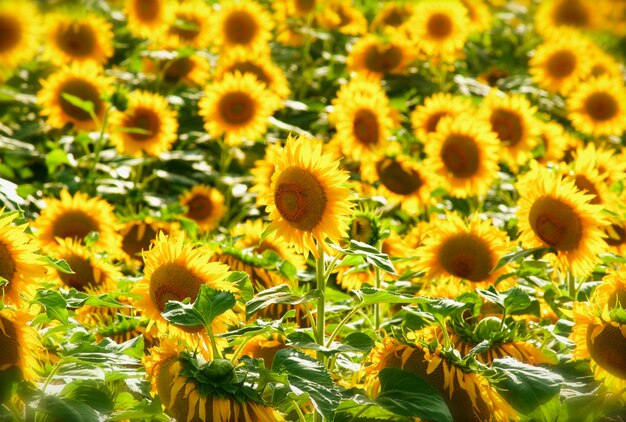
[571, 281]
[340, 325]
[216, 352]
[377, 305]
[301, 416]
[321, 301]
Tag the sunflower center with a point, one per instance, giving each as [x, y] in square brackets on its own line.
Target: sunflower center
[252, 68]
[460, 155]
[561, 64]
[584, 184]
[7, 264]
[199, 207]
[601, 106]
[178, 69]
[616, 236]
[365, 127]
[84, 274]
[187, 27]
[305, 6]
[147, 121]
[383, 58]
[397, 179]
[556, 223]
[507, 125]
[77, 39]
[240, 27]
[83, 90]
[433, 120]
[466, 256]
[74, 224]
[439, 25]
[300, 198]
[361, 229]
[608, 349]
[571, 13]
[395, 17]
[8, 343]
[11, 33]
[138, 239]
[236, 108]
[147, 10]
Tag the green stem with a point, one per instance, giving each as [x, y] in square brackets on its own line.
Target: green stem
[216, 352]
[377, 305]
[321, 301]
[571, 282]
[97, 148]
[240, 348]
[341, 324]
[301, 417]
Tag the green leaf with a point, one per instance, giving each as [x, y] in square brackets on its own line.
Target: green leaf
[407, 394]
[516, 300]
[54, 304]
[66, 410]
[57, 264]
[90, 394]
[287, 270]
[209, 305]
[86, 106]
[371, 296]
[189, 226]
[492, 295]
[363, 408]
[372, 256]
[55, 158]
[278, 294]
[514, 256]
[243, 283]
[443, 307]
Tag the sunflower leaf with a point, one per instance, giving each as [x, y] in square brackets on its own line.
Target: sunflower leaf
[280, 294]
[371, 296]
[54, 304]
[86, 106]
[209, 305]
[371, 255]
[58, 264]
[514, 256]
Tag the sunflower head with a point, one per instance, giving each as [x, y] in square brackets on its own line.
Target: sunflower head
[19, 343]
[598, 107]
[392, 16]
[555, 15]
[426, 117]
[441, 28]
[18, 38]
[190, 26]
[342, 16]
[138, 234]
[365, 226]
[242, 25]
[375, 56]
[149, 18]
[205, 206]
[262, 347]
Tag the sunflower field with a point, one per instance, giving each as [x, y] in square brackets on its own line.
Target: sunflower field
[312, 210]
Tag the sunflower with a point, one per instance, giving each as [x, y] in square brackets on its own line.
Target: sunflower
[190, 26]
[292, 16]
[149, 18]
[463, 251]
[147, 126]
[611, 293]
[74, 217]
[20, 266]
[468, 395]
[362, 116]
[19, 343]
[426, 117]
[175, 271]
[77, 39]
[603, 64]
[138, 234]
[615, 237]
[512, 120]
[205, 206]
[553, 140]
[463, 154]
[554, 15]
[263, 171]
[169, 368]
[554, 214]
[478, 14]
[440, 27]
[307, 201]
[262, 68]
[18, 38]
[598, 107]
[81, 81]
[558, 65]
[262, 347]
[242, 24]
[238, 106]
[378, 57]
[191, 70]
[342, 16]
[392, 17]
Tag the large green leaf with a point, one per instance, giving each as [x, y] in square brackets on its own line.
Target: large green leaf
[209, 305]
[54, 304]
[370, 254]
[371, 296]
[280, 294]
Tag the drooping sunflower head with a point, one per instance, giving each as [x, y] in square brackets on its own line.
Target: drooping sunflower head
[19, 343]
[149, 18]
[190, 26]
[18, 38]
[553, 213]
[81, 81]
[342, 16]
[463, 251]
[441, 28]
[308, 201]
[242, 25]
[598, 107]
[426, 117]
[554, 15]
[376, 56]
[238, 106]
[205, 206]
[262, 347]
[77, 39]
[365, 226]
[147, 126]
[463, 154]
[74, 217]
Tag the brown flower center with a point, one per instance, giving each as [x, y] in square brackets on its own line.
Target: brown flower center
[138, 239]
[305, 6]
[83, 90]
[365, 127]
[556, 223]
[199, 207]
[466, 256]
[187, 27]
[460, 155]
[396, 16]
[11, 33]
[398, 179]
[608, 349]
[601, 106]
[585, 185]
[507, 125]
[7, 264]
[177, 69]
[572, 13]
[146, 120]
[561, 64]
[147, 10]
[433, 120]
[300, 198]
[252, 68]
[361, 229]
[77, 39]
[616, 236]
[236, 108]
[9, 344]
[240, 27]
[84, 274]
[74, 224]
[383, 58]
[439, 25]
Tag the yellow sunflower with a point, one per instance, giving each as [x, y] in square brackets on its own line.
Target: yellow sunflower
[147, 126]
[463, 251]
[238, 106]
[555, 15]
[191, 70]
[138, 234]
[342, 16]
[611, 293]
[463, 154]
[262, 347]
[440, 27]
[242, 24]
[20, 266]
[308, 201]
[294, 16]
[426, 117]
[263, 170]
[149, 18]
[74, 217]
[392, 16]
[77, 39]
[378, 57]
[598, 107]
[18, 38]
[553, 213]
[558, 64]
[261, 67]
[553, 140]
[615, 237]
[19, 343]
[603, 64]
[175, 271]
[82, 81]
[205, 206]
[610, 163]
[478, 14]
[512, 120]
[190, 26]
[183, 396]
